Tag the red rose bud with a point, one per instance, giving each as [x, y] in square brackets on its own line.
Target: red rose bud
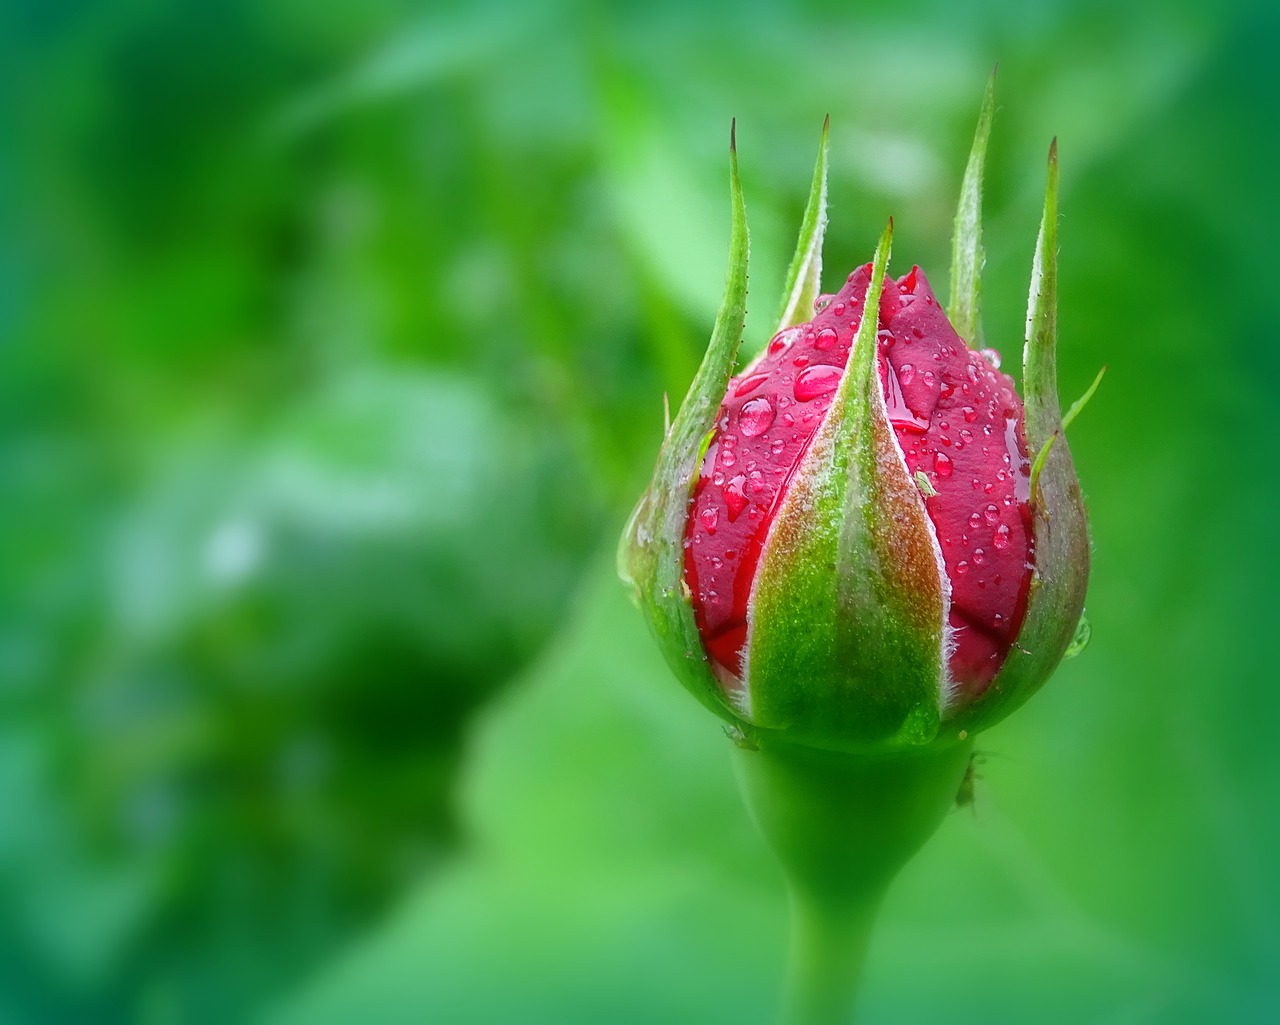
[956, 419]
[865, 540]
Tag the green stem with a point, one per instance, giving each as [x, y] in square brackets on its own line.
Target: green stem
[842, 826]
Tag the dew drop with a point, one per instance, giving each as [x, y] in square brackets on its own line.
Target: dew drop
[900, 414]
[992, 514]
[1080, 641]
[735, 501]
[979, 556]
[709, 518]
[783, 340]
[756, 417]
[942, 463]
[825, 339]
[992, 357]
[816, 380]
[1013, 456]
[906, 374]
[962, 567]
[1001, 540]
[975, 521]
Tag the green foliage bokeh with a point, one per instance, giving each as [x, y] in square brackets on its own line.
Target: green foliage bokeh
[333, 341]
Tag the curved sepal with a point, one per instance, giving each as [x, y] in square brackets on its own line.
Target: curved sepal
[1059, 523]
[650, 554]
[967, 254]
[850, 580]
[804, 276]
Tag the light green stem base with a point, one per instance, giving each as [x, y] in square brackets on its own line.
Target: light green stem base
[842, 827]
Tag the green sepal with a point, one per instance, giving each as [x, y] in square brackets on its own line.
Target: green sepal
[846, 642]
[1059, 523]
[804, 276]
[967, 254]
[651, 553]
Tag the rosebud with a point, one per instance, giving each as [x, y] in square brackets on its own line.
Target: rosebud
[865, 540]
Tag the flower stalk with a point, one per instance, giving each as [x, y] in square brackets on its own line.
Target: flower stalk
[841, 826]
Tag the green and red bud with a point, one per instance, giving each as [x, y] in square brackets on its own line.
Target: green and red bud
[851, 543]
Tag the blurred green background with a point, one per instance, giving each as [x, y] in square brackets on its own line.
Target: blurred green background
[332, 347]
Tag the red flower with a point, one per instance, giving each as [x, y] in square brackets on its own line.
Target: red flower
[958, 420]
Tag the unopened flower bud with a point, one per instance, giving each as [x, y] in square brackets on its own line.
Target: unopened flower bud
[866, 540]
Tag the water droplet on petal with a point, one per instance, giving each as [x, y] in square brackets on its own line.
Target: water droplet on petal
[992, 514]
[749, 384]
[992, 357]
[825, 339]
[709, 518]
[756, 417]
[816, 380]
[906, 374]
[783, 340]
[900, 414]
[735, 501]
[942, 463]
[1001, 540]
